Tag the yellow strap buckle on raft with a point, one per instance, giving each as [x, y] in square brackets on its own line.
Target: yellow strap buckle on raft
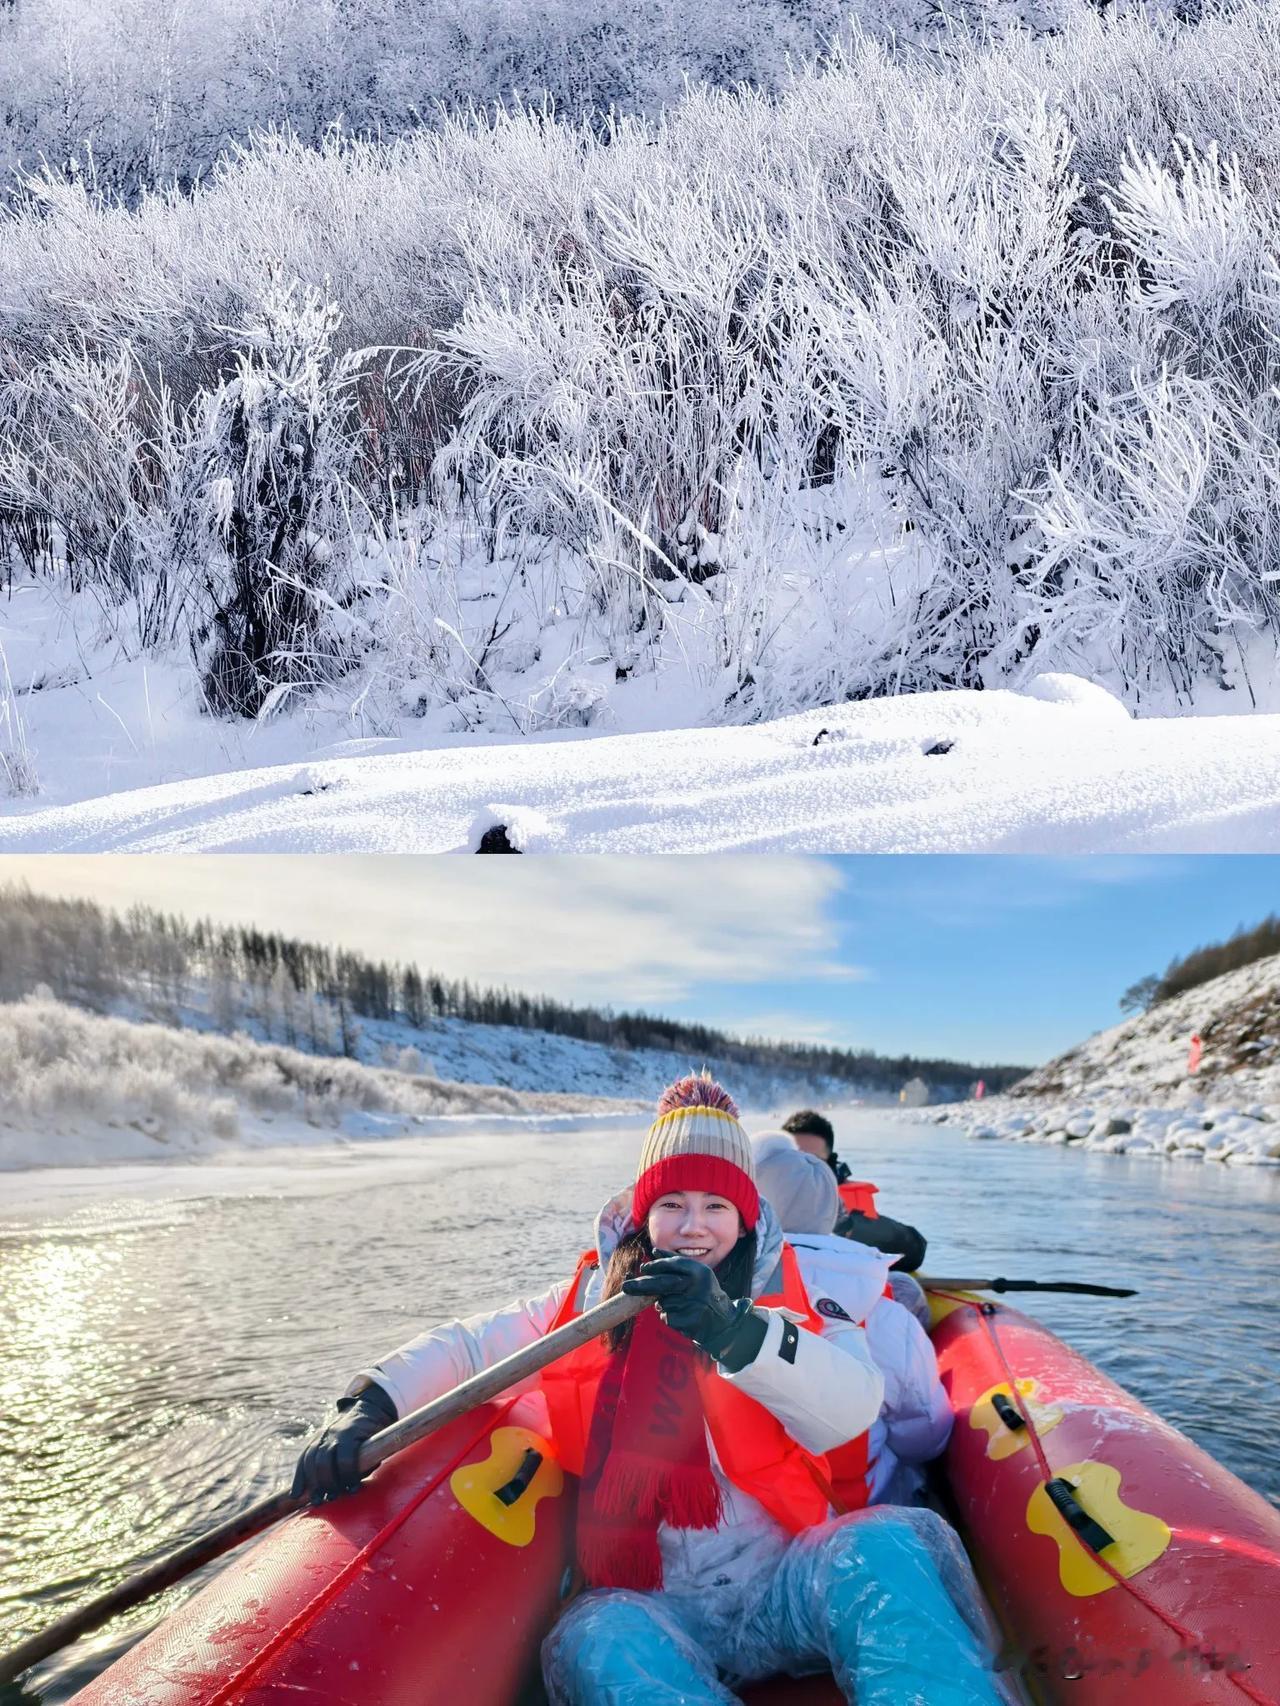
[999, 1416]
[1134, 1538]
[502, 1490]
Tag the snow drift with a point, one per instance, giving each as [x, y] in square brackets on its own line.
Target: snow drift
[1058, 768]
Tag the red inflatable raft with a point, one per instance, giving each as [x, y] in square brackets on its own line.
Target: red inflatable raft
[1125, 1564]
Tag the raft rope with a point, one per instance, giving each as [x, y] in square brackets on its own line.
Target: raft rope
[306, 1615]
[1188, 1636]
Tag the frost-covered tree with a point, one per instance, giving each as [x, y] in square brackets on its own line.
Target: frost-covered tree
[224, 1004]
[284, 1000]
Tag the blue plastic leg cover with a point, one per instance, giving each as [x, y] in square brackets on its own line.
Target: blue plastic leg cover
[618, 1648]
[867, 1594]
[885, 1598]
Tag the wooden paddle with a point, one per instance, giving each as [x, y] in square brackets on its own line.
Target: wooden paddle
[404, 1432]
[1076, 1287]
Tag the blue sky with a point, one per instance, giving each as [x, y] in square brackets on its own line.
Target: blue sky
[1010, 959]
[982, 959]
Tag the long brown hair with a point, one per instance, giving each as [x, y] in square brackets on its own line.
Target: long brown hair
[632, 1252]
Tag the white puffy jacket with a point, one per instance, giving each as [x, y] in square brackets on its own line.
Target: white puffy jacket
[914, 1424]
[830, 1393]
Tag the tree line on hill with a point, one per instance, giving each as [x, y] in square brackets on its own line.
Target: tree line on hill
[1247, 944]
[312, 996]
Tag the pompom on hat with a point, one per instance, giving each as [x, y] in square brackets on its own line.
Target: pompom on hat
[697, 1144]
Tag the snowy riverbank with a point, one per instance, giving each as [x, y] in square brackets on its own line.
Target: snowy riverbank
[1057, 767]
[1242, 1137]
[80, 1090]
[1194, 1078]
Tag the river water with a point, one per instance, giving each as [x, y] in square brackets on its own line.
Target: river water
[168, 1335]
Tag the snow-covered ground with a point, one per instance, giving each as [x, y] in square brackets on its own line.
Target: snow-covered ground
[79, 1089]
[1130, 1090]
[1057, 767]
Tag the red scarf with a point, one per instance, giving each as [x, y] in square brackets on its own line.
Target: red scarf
[647, 1460]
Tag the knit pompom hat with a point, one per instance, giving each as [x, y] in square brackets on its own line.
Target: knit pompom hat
[799, 1188]
[697, 1144]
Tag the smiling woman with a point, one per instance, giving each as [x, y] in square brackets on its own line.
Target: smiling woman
[708, 1437]
[698, 1224]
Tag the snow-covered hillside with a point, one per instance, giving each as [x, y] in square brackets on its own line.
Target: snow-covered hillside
[1130, 1090]
[78, 1089]
[1237, 1018]
[1059, 767]
[531, 1060]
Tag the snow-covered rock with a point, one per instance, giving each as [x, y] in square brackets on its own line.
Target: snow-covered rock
[1233, 1137]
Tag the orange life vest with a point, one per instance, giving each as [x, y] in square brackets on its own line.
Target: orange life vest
[753, 1448]
[859, 1195]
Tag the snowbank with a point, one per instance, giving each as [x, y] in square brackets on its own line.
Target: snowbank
[1242, 1137]
[80, 1089]
[1059, 767]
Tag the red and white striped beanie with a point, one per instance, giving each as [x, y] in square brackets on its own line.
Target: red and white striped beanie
[697, 1144]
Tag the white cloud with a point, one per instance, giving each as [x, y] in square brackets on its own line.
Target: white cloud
[795, 1027]
[642, 932]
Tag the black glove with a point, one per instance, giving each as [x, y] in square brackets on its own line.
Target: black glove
[889, 1236]
[328, 1465]
[691, 1301]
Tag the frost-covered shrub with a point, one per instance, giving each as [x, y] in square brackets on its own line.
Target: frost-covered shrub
[269, 461]
[18, 774]
[68, 1068]
[72, 454]
[934, 369]
[130, 93]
